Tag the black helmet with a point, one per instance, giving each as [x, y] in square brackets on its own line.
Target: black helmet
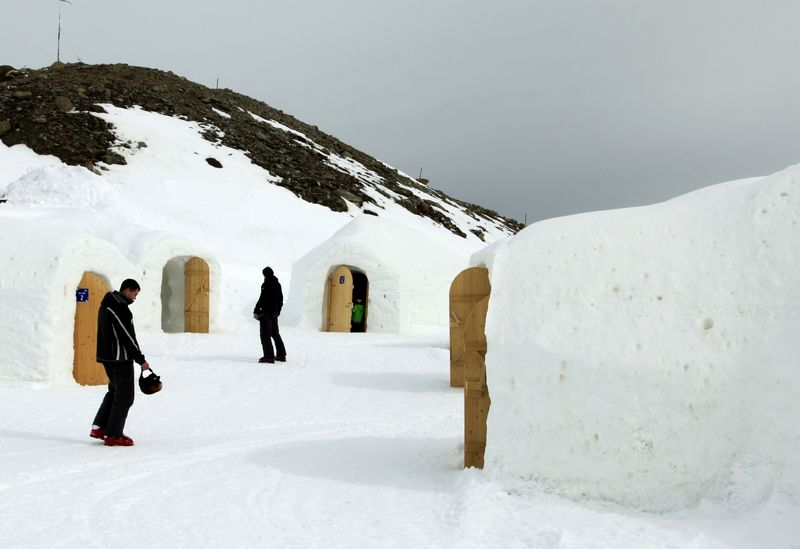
[150, 384]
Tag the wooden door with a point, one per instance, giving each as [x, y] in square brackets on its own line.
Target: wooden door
[340, 300]
[195, 296]
[476, 392]
[466, 290]
[85, 368]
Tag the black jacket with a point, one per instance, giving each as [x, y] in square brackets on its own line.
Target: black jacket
[270, 302]
[116, 338]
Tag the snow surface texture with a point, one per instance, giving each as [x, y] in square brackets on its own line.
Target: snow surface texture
[648, 356]
[354, 443]
[404, 291]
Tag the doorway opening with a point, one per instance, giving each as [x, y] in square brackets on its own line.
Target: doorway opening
[185, 287]
[358, 320]
[347, 292]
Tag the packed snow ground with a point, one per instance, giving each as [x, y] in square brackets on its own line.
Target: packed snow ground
[354, 442]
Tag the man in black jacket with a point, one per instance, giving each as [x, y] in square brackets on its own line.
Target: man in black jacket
[266, 311]
[117, 350]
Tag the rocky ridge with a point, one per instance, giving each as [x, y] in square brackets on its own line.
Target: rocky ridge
[50, 111]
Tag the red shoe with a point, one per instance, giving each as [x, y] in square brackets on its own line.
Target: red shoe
[97, 433]
[121, 440]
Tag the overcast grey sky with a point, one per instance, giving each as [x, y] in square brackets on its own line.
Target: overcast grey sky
[528, 107]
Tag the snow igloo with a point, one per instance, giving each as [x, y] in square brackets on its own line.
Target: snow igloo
[44, 317]
[648, 356]
[62, 247]
[182, 283]
[53, 282]
[401, 275]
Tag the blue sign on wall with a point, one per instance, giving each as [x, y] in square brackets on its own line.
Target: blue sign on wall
[341, 279]
[82, 294]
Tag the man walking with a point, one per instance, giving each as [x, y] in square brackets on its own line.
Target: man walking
[117, 350]
[266, 311]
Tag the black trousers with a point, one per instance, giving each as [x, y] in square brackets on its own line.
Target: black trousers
[118, 400]
[269, 330]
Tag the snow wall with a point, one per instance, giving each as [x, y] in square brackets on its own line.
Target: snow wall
[409, 276]
[649, 356]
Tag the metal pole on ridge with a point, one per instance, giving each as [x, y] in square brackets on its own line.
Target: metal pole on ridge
[58, 50]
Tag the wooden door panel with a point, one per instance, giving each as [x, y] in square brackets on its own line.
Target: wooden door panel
[476, 391]
[467, 289]
[196, 296]
[85, 368]
[340, 300]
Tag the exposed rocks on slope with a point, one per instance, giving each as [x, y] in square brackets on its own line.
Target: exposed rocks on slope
[49, 110]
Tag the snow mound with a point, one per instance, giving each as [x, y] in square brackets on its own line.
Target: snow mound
[65, 186]
[647, 356]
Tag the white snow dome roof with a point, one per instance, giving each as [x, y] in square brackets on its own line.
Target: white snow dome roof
[409, 275]
[648, 356]
[61, 186]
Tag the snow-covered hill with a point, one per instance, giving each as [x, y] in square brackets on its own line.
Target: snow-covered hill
[54, 111]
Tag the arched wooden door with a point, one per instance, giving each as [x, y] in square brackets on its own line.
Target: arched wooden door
[476, 392]
[340, 300]
[195, 296]
[467, 289]
[85, 368]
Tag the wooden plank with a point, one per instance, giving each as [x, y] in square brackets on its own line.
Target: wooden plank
[85, 368]
[473, 298]
[472, 389]
[196, 296]
[340, 300]
[467, 289]
[476, 392]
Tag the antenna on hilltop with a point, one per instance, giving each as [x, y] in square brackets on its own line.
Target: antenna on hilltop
[58, 51]
[421, 179]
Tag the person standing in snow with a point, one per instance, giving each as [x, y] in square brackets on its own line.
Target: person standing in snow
[267, 311]
[117, 350]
